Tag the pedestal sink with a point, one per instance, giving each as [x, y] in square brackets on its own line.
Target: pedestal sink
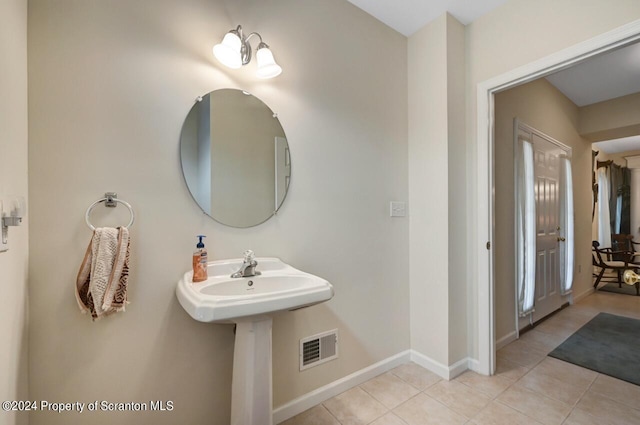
[248, 302]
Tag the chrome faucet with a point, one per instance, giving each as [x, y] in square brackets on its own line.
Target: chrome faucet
[248, 267]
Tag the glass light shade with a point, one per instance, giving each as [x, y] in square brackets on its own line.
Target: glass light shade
[267, 66]
[228, 52]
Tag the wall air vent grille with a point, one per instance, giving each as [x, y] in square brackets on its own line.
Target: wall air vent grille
[318, 349]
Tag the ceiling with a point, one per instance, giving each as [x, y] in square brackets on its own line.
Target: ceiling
[601, 78]
[408, 16]
[597, 79]
[626, 144]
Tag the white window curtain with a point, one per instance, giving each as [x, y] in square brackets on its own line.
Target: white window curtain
[618, 213]
[567, 229]
[526, 222]
[604, 219]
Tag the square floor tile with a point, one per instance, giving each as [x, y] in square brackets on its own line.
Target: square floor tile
[510, 370]
[459, 397]
[580, 417]
[416, 375]
[544, 409]
[355, 407]
[315, 416]
[389, 390]
[498, 414]
[489, 385]
[558, 328]
[423, 410]
[541, 341]
[552, 387]
[567, 372]
[389, 419]
[608, 410]
[522, 354]
[618, 390]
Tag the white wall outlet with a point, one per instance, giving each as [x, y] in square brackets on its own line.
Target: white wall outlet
[397, 209]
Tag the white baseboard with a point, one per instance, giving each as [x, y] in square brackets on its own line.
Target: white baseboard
[445, 372]
[315, 397]
[474, 365]
[458, 368]
[430, 364]
[508, 338]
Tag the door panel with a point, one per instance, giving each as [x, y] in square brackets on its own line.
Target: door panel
[546, 157]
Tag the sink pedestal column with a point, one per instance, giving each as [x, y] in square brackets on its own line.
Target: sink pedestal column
[251, 389]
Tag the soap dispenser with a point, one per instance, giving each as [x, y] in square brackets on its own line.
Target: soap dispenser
[200, 261]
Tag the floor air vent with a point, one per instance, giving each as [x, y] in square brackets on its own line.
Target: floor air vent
[318, 349]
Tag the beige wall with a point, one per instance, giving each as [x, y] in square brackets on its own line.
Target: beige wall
[437, 236]
[438, 232]
[543, 107]
[428, 194]
[611, 119]
[110, 86]
[505, 39]
[619, 158]
[13, 182]
[457, 174]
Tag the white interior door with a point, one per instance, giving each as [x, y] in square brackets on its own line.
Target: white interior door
[547, 191]
[547, 154]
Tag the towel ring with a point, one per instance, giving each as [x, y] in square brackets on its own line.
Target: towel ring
[110, 200]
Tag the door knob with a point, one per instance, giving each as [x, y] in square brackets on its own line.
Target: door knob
[560, 239]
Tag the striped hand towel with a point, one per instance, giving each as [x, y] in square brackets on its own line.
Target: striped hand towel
[101, 286]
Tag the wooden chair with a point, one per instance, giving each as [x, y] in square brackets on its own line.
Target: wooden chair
[635, 247]
[621, 242]
[605, 259]
[624, 242]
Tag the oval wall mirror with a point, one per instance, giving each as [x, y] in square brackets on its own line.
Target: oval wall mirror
[235, 158]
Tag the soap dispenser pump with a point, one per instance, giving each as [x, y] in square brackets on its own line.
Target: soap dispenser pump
[200, 260]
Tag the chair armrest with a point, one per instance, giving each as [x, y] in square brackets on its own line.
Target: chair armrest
[626, 256]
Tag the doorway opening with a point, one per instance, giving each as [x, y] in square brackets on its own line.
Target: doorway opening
[485, 171]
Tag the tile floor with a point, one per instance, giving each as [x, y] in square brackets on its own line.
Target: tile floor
[528, 387]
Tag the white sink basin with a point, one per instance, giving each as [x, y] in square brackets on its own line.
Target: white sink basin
[222, 298]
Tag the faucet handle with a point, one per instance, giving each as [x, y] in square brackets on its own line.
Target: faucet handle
[248, 256]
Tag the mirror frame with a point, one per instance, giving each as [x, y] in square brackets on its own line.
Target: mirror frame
[182, 163]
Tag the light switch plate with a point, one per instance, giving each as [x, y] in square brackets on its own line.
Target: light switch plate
[397, 209]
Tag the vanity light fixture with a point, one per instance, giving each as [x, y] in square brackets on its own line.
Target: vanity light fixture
[235, 51]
